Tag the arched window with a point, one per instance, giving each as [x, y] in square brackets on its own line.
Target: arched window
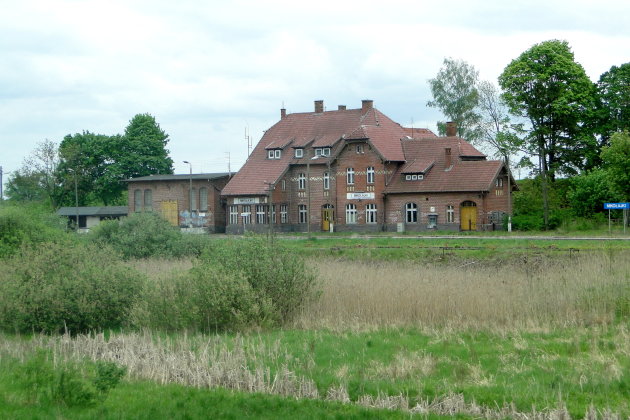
[351, 214]
[203, 199]
[411, 213]
[137, 200]
[193, 199]
[148, 200]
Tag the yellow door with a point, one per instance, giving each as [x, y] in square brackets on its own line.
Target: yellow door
[169, 212]
[468, 217]
[327, 217]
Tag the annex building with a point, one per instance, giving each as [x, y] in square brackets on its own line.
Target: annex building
[357, 170]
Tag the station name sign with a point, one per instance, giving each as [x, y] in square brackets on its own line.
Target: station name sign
[360, 196]
[616, 206]
[246, 200]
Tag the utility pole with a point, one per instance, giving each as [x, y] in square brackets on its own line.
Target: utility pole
[1, 196]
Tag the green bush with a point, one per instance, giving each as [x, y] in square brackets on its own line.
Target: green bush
[143, 235]
[22, 224]
[65, 383]
[56, 286]
[275, 274]
[206, 299]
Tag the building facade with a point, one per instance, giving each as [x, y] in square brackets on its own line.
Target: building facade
[189, 201]
[357, 170]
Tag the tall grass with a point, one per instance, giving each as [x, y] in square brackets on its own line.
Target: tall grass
[535, 292]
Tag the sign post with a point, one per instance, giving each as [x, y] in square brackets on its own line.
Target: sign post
[617, 206]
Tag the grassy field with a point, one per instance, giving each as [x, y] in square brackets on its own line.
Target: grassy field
[432, 327]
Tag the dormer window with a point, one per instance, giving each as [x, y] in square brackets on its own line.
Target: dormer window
[360, 148]
[299, 153]
[274, 154]
[322, 151]
[414, 177]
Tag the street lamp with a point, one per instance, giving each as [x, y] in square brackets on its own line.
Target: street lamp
[190, 194]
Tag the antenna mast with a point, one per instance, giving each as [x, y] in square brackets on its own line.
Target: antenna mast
[249, 141]
[229, 168]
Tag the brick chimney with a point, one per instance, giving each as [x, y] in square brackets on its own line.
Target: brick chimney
[283, 113]
[341, 108]
[447, 158]
[319, 106]
[451, 129]
[366, 105]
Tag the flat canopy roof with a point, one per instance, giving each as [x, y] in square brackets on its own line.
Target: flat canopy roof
[179, 177]
[103, 211]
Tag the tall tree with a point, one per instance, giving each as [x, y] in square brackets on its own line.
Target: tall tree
[142, 149]
[24, 185]
[614, 93]
[546, 86]
[454, 91]
[616, 161]
[35, 180]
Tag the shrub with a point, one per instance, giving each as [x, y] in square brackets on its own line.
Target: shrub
[66, 286]
[207, 299]
[276, 275]
[143, 235]
[22, 225]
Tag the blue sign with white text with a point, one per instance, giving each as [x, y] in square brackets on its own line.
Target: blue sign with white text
[616, 206]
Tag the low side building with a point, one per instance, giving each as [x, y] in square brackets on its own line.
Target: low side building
[357, 170]
[189, 201]
[91, 216]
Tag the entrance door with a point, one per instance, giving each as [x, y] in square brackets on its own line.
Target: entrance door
[169, 212]
[328, 216]
[468, 215]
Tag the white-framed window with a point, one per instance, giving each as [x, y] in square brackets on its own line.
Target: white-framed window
[370, 174]
[273, 213]
[318, 151]
[299, 153]
[234, 215]
[284, 185]
[326, 180]
[499, 183]
[351, 214]
[411, 213]
[360, 148]
[326, 151]
[301, 181]
[277, 153]
[284, 213]
[247, 214]
[350, 176]
[370, 213]
[261, 212]
[420, 177]
[407, 177]
[302, 213]
[270, 154]
[450, 214]
[414, 177]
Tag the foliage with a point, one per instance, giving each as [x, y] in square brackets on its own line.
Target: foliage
[100, 163]
[454, 91]
[528, 205]
[35, 180]
[589, 191]
[616, 161]
[206, 299]
[146, 234]
[546, 86]
[66, 286]
[276, 275]
[27, 224]
[614, 93]
[42, 382]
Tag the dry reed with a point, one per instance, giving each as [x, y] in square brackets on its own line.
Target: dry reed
[539, 293]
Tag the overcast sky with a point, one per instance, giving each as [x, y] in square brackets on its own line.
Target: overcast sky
[207, 70]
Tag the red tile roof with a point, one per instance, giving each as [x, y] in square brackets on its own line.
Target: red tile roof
[463, 175]
[311, 129]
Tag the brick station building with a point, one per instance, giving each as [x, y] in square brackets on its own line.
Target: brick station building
[198, 209]
[357, 170]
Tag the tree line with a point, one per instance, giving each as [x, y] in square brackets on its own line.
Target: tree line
[91, 168]
[549, 113]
